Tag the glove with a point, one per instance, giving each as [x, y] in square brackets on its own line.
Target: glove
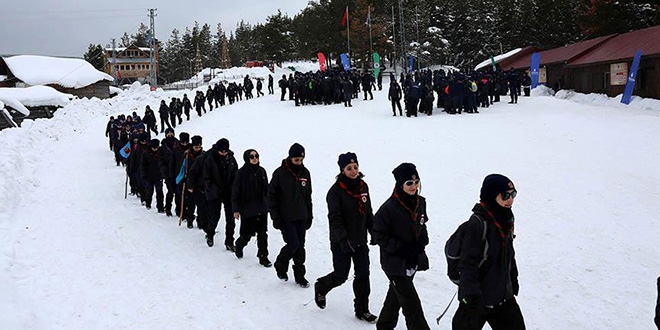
[308, 224]
[277, 223]
[422, 262]
[346, 247]
[515, 287]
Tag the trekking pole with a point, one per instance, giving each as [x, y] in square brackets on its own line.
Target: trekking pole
[183, 195]
[447, 308]
[126, 187]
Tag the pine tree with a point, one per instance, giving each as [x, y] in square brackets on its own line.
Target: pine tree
[95, 55]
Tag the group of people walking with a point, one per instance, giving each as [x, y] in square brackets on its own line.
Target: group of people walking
[200, 182]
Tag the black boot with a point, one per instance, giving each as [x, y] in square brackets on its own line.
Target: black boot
[361, 290]
[240, 244]
[263, 260]
[282, 267]
[299, 274]
[322, 286]
[319, 296]
[209, 240]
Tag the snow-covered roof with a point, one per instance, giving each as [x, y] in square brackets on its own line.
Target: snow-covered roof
[34, 96]
[496, 58]
[43, 70]
[121, 49]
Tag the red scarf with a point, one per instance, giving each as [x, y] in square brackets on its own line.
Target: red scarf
[413, 212]
[360, 196]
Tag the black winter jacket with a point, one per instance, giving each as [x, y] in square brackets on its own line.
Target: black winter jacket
[349, 212]
[493, 282]
[219, 174]
[150, 167]
[402, 238]
[249, 195]
[290, 194]
[196, 171]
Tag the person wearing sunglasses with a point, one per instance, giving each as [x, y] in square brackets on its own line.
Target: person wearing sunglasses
[486, 290]
[249, 200]
[400, 231]
[290, 207]
[350, 216]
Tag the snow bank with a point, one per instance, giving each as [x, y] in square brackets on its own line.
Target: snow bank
[542, 90]
[637, 102]
[496, 58]
[36, 96]
[43, 70]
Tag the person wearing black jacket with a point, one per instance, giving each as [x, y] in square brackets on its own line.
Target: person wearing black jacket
[394, 95]
[219, 172]
[270, 85]
[486, 290]
[282, 83]
[133, 169]
[400, 231]
[195, 181]
[350, 216]
[164, 113]
[150, 120]
[152, 176]
[249, 200]
[290, 207]
[108, 131]
[165, 158]
[176, 160]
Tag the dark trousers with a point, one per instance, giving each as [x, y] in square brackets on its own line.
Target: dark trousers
[202, 208]
[149, 188]
[215, 207]
[396, 103]
[506, 316]
[251, 226]
[173, 120]
[188, 205]
[370, 94]
[402, 295]
[513, 91]
[163, 122]
[293, 233]
[283, 90]
[171, 188]
[341, 263]
[271, 90]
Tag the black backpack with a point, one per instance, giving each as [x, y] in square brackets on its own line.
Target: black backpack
[453, 249]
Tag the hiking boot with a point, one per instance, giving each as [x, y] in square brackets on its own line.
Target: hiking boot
[319, 298]
[265, 262]
[232, 248]
[281, 271]
[239, 252]
[303, 282]
[367, 317]
[190, 224]
[168, 213]
[209, 240]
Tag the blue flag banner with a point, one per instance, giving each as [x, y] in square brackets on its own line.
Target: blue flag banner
[411, 59]
[182, 171]
[632, 75]
[534, 68]
[126, 150]
[345, 62]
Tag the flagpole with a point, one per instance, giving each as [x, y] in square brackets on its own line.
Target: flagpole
[348, 32]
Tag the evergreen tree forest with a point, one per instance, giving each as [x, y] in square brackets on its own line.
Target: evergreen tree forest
[454, 32]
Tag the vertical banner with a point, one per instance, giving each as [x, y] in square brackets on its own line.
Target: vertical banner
[534, 68]
[492, 62]
[410, 63]
[630, 85]
[345, 62]
[321, 61]
[376, 59]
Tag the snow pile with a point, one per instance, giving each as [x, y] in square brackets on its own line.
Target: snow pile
[542, 90]
[43, 70]
[115, 90]
[496, 58]
[36, 96]
[606, 101]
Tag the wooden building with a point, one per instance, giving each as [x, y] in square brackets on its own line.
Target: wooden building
[130, 63]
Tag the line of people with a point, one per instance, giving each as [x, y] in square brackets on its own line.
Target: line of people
[201, 182]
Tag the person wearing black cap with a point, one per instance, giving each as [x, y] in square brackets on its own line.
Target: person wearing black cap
[152, 176]
[133, 168]
[176, 160]
[219, 172]
[486, 289]
[249, 200]
[165, 158]
[400, 231]
[351, 217]
[195, 184]
[164, 113]
[290, 207]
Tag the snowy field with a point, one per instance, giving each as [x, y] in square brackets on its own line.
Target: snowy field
[77, 255]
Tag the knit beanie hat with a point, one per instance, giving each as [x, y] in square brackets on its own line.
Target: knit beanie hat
[405, 172]
[184, 137]
[196, 140]
[222, 145]
[296, 150]
[154, 143]
[345, 159]
[493, 185]
[169, 130]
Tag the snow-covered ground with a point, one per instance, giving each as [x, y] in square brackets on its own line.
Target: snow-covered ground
[77, 255]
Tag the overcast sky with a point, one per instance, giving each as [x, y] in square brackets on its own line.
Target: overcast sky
[67, 27]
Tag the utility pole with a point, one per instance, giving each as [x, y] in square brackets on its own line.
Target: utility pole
[394, 40]
[153, 81]
[114, 61]
[403, 34]
[417, 31]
